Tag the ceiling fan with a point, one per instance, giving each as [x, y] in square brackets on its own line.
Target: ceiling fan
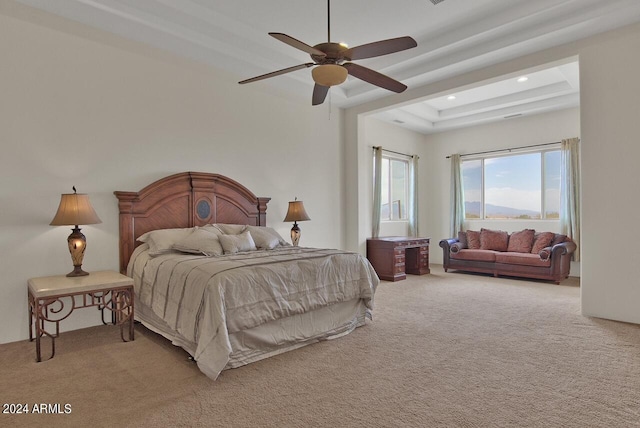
[330, 66]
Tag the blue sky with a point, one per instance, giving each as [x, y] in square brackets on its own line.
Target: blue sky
[514, 181]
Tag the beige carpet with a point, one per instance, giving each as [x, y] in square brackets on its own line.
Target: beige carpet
[444, 350]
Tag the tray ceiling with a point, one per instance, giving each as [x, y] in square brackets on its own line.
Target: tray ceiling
[454, 37]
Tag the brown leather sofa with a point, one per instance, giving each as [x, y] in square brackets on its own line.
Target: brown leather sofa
[549, 262]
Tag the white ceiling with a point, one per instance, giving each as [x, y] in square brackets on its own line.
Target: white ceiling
[454, 37]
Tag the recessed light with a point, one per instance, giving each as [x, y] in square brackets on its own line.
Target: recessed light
[451, 97]
[522, 79]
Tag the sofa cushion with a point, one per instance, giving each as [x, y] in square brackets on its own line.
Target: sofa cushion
[473, 239]
[542, 240]
[497, 240]
[521, 242]
[521, 259]
[558, 239]
[475, 255]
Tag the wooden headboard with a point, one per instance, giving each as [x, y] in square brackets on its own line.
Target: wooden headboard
[186, 199]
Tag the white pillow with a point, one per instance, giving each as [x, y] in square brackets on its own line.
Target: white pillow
[230, 229]
[266, 238]
[200, 241]
[235, 243]
[161, 241]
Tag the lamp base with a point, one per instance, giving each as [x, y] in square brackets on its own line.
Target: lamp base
[77, 271]
[77, 244]
[295, 234]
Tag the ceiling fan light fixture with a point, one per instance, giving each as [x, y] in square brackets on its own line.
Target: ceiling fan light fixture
[329, 74]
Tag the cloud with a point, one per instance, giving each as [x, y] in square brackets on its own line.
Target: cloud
[513, 198]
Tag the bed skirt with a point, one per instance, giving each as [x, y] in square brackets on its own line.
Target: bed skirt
[272, 338]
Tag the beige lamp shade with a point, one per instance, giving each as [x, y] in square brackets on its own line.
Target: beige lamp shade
[329, 74]
[75, 209]
[296, 212]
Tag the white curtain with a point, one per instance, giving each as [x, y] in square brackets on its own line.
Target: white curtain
[570, 192]
[377, 190]
[457, 197]
[413, 196]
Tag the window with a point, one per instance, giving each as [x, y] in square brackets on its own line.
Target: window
[522, 186]
[395, 184]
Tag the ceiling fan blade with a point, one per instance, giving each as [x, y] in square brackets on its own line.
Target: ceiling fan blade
[319, 94]
[383, 47]
[297, 44]
[373, 77]
[277, 73]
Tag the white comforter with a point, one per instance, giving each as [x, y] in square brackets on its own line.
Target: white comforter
[204, 299]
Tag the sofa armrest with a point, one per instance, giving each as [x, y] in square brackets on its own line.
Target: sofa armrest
[563, 248]
[557, 251]
[447, 243]
[446, 248]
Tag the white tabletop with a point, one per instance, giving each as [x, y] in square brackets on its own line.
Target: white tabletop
[60, 284]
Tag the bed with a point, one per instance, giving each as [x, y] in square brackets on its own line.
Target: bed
[211, 277]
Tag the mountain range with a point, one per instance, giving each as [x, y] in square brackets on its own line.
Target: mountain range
[498, 211]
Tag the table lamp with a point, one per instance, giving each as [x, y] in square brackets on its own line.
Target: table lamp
[75, 209]
[296, 213]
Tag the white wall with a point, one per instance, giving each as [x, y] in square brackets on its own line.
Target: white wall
[390, 137]
[84, 108]
[609, 70]
[511, 133]
[609, 66]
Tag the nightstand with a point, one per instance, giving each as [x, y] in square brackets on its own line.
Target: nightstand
[53, 299]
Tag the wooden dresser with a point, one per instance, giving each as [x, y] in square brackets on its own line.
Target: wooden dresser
[394, 256]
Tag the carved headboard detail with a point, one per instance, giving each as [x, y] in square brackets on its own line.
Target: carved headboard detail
[186, 199]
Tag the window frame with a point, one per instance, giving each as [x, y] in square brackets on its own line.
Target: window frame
[513, 152]
[405, 161]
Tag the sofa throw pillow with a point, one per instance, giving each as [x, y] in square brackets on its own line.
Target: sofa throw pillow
[496, 240]
[201, 241]
[542, 240]
[232, 244]
[473, 239]
[521, 242]
[545, 253]
[462, 240]
[558, 238]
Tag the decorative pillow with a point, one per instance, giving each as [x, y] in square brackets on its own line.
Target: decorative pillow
[266, 238]
[161, 241]
[230, 229]
[558, 238]
[545, 253]
[521, 242]
[496, 240]
[473, 239]
[201, 241]
[455, 248]
[462, 240]
[541, 240]
[232, 244]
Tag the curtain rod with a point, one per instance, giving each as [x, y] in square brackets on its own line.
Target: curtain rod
[507, 150]
[391, 151]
